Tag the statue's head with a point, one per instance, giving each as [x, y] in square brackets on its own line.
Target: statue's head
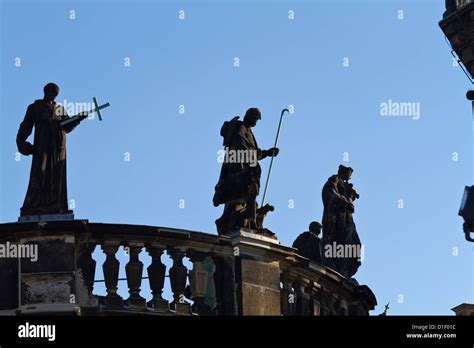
[315, 228]
[344, 172]
[51, 91]
[252, 116]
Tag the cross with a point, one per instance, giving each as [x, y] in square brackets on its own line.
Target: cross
[82, 115]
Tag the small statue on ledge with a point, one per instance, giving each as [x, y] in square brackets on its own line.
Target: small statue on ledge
[239, 180]
[309, 244]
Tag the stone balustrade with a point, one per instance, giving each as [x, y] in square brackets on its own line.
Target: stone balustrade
[242, 274]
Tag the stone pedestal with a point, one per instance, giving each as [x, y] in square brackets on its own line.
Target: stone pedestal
[246, 233]
[46, 217]
[51, 278]
[257, 274]
[258, 287]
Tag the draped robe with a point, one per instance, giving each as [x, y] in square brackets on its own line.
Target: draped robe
[47, 188]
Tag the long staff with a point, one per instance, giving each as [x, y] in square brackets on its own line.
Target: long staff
[271, 161]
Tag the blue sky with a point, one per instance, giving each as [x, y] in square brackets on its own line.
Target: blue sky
[409, 259]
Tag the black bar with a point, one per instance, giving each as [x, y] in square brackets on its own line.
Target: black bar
[291, 331]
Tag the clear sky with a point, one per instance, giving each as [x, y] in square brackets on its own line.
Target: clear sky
[336, 62]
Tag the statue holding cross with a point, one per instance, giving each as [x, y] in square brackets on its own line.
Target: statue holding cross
[47, 189]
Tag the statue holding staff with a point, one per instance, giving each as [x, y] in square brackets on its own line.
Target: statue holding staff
[239, 181]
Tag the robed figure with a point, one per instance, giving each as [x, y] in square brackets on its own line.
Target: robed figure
[342, 246]
[47, 189]
[239, 180]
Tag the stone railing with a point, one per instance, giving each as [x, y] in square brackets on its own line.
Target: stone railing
[242, 274]
[309, 288]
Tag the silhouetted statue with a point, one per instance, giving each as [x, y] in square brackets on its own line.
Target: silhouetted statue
[341, 243]
[239, 180]
[47, 189]
[309, 243]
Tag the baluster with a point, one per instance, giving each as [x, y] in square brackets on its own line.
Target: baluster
[87, 266]
[315, 305]
[111, 272]
[201, 279]
[302, 298]
[288, 296]
[178, 274]
[134, 271]
[156, 277]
